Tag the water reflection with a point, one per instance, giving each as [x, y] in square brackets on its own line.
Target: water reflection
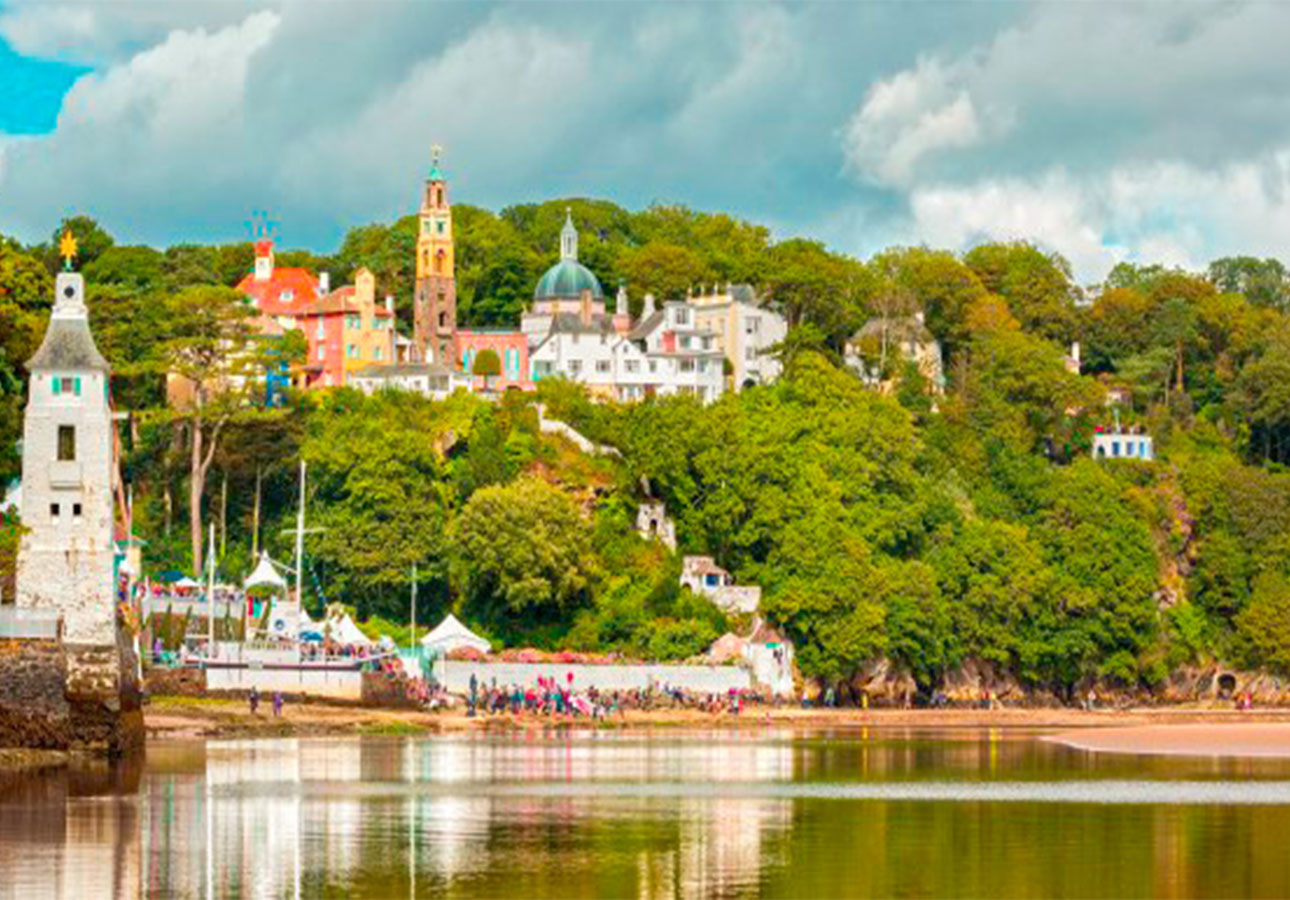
[730, 814]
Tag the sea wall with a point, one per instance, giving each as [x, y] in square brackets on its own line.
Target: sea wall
[33, 708]
[455, 675]
[61, 696]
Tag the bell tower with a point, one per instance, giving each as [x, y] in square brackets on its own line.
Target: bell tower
[435, 306]
[67, 558]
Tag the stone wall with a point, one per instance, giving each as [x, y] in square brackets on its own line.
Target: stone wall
[455, 675]
[380, 689]
[33, 708]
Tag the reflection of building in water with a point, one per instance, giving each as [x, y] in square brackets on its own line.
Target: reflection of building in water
[72, 833]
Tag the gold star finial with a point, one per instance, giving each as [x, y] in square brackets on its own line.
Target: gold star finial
[67, 249]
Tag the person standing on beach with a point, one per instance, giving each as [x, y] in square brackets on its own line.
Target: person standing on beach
[277, 704]
[254, 699]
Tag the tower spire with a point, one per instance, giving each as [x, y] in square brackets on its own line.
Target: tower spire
[568, 237]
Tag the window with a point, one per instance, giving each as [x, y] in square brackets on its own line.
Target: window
[653, 366]
[377, 354]
[66, 443]
[76, 512]
[54, 511]
[632, 365]
[318, 332]
[602, 365]
[1115, 448]
[438, 263]
[351, 351]
[443, 316]
[353, 322]
[438, 196]
[687, 365]
[682, 316]
[685, 342]
[322, 352]
[287, 296]
[575, 366]
[440, 225]
[752, 326]
[703, 365]
[67, 385]
[573, 338]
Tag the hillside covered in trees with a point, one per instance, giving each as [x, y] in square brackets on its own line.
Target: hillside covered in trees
[918, 527]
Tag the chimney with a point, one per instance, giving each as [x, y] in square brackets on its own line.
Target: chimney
[263, 259]
[620, 307]
[1075, 352]
[585, 306]
[648, 308]
[324, 284]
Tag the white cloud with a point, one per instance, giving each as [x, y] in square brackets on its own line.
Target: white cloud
[908, 117]
[1175, 214]
[163, 127]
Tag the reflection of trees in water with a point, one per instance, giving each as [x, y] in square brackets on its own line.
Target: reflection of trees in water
[333, 816]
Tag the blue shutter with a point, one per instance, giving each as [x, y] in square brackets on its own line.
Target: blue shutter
[58, 386]
[76, 386]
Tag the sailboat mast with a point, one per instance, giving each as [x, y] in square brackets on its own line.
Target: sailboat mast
[300, 540]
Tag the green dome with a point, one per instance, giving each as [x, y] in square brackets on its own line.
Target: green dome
[566, 280]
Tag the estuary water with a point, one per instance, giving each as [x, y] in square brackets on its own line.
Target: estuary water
[755, 812]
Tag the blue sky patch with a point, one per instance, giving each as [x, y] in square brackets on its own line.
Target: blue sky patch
[32, 91]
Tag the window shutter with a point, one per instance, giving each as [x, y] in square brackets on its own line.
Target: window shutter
[76, 386]
[58, 385]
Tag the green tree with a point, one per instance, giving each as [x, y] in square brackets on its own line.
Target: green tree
[210, 348]
[91, 242]
[522, 550]
[487, 365]
[1263, 628]
[1264, 282]
[666, 270]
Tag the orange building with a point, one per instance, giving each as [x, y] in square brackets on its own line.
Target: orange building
[512, 349]
[347, 331]
[434, 311]
[280, 292]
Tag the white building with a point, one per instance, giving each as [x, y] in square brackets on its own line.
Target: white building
[745, 331]
[428, 379]
[1119, 444]
[702, 575]
[884, 341]
[664, 354]
[66, 561]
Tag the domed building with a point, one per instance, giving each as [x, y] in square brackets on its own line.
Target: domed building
[564, 286]
[570, 289]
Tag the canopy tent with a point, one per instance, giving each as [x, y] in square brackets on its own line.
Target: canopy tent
[265, 573]
[187, 583]
[450, 635]
[344, 631]
[170, 576]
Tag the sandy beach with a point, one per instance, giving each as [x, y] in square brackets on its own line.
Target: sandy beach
[1222, 738]
[1173, 729]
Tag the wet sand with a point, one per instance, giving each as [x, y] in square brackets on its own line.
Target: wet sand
[1224, 738]
[187, 718]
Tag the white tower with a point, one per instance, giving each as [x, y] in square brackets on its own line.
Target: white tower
[67, 559]
[568, 238]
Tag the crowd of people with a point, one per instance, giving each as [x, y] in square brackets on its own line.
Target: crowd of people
[548, 697]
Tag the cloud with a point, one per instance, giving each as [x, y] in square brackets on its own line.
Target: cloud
[126, 139]
[908, 118]
[1176, 214]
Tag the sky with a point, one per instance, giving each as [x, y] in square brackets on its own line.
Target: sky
[1155, 133]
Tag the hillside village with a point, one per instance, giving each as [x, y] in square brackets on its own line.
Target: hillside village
[895, 472]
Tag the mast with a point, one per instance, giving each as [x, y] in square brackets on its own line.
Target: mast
[210, 594]
[300, 540]
[412, 637]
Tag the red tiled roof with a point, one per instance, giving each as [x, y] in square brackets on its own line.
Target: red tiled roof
[267, 294]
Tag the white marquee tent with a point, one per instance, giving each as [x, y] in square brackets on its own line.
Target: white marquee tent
[344, 631]
[451, 634]
[265, 573]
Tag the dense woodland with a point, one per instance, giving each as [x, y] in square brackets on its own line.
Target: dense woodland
[923, 529]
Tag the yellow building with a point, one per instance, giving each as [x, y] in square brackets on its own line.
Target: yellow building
[434, 317]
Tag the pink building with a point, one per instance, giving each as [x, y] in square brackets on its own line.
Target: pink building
[512, 349]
